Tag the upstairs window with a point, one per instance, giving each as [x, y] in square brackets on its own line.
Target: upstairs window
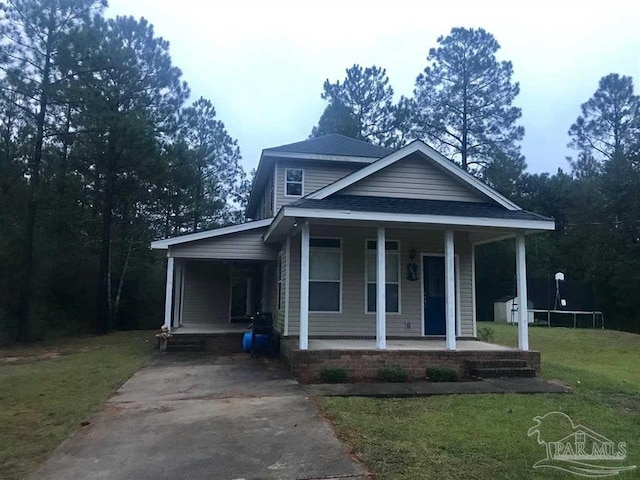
[294, 178]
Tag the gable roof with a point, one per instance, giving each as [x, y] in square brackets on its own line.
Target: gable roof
[216, 232]
[430, 155]
[333, 144]
[329, 148]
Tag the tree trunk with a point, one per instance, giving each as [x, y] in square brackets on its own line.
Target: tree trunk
[103, 318]
[125, 267]
[24, 302]
[464, 147]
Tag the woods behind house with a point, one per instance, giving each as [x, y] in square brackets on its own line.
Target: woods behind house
[102, 150]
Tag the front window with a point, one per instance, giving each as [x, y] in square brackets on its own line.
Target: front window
[392, 276]
[325, 274]
[293, 182]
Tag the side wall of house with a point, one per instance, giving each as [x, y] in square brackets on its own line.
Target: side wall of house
[238, 246]
[281, 311]
[316, 176]
[265, 206]
[206, 293]
[414, 177]
[353, 320]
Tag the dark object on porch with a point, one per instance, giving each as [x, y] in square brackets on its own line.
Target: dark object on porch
[262, 325]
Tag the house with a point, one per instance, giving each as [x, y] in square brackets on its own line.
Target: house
[505, 310]
[308, 252]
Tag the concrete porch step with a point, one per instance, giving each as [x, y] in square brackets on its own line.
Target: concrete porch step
[220, 343]
[502, 372]
[185, 347]
[497, 363]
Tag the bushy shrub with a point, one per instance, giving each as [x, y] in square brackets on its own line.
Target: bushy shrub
[441, 374]
[392, 373]
[485, 334]
[333, 375]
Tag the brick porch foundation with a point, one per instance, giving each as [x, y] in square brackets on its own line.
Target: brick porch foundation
[364, 364]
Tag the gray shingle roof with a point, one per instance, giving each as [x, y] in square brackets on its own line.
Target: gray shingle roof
[417, 206]
[334, 144]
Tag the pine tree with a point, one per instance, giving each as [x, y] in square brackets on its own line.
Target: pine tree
[463, 101]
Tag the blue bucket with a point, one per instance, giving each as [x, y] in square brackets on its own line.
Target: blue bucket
[262, 341]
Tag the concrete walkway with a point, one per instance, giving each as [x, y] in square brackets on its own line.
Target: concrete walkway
[203, 417]
[426, 389]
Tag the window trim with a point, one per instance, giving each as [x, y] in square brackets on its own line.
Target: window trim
[398, 253]
[333, 250]
[286, 170]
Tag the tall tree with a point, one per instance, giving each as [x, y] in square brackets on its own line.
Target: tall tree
[360, 107]
[33, 33]
[129, 101]
[215, 162]
[608, 126]
[463, 101]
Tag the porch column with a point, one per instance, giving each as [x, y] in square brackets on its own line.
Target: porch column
[304, 288]
[381, 293]
[450, 289]
[523, 304]
[183, 276]
[168, 296]
[177, 293]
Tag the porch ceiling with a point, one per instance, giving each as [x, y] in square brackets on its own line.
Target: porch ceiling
[287, 225]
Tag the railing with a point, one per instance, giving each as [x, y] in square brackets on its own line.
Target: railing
[594, 315]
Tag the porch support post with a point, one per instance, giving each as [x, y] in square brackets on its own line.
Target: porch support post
[304, 288]
[450, 289]
[176, 293]
[168, 296]
[183, 277]
[381, 294]
[523, 310]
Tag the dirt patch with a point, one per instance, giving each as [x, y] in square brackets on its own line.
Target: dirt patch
[31, 358]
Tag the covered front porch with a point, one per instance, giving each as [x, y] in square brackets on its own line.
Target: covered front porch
[421, 285]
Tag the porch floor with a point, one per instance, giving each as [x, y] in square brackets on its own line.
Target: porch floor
[419, 345]
[213, 328]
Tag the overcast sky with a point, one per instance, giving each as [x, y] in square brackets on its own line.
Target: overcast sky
[262, 64]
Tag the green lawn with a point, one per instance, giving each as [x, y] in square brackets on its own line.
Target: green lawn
[46, 390]
[485, 436]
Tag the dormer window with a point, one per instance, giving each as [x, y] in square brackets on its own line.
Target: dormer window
[293, 182]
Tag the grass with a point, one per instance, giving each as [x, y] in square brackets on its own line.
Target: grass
[48, 389]
[485, 436]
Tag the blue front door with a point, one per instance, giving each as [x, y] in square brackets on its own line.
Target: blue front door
[433, 275]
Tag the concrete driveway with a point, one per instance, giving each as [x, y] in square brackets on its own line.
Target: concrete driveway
[205, 417]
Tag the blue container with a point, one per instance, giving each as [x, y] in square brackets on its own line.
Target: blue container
[262, 341]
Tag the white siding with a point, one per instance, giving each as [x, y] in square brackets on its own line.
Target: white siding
[316, 176]
[353, 320]
[236, 246]
[279, 313]
[414, 177]
[206, 293]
